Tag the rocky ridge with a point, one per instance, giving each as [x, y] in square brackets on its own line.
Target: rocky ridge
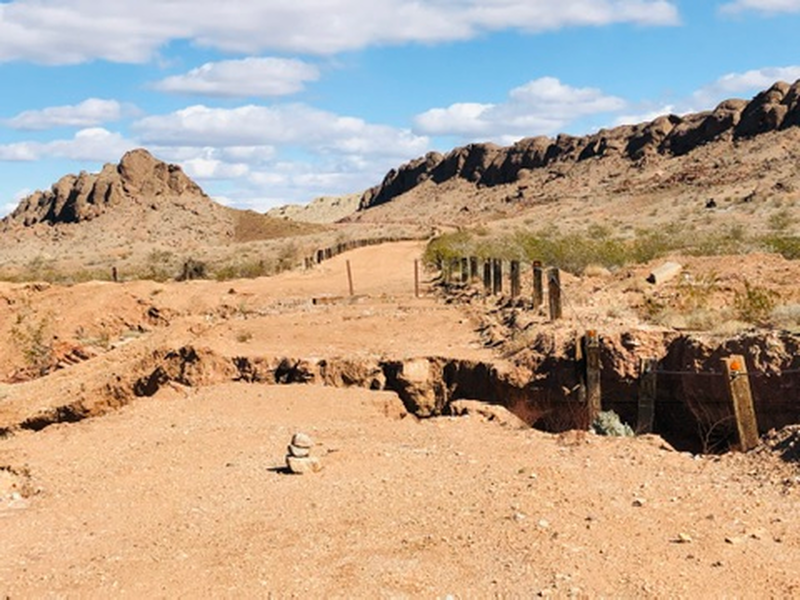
[138, 179]
[775, 109]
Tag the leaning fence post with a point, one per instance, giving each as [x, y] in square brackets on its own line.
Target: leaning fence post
[538, 284]
[497, 287]
[647, 395]
[554, 293]
[738, 385]
[515, 283]
[593, 394]
[350, 278]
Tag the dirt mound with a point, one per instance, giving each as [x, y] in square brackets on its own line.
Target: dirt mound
[775, 109]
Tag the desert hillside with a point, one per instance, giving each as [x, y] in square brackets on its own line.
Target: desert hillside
[146, 218]
[734, 166]
[326, 209]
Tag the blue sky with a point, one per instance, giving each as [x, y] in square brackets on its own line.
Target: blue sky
[265, 103]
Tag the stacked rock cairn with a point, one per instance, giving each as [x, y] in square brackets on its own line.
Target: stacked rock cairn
[299, 459]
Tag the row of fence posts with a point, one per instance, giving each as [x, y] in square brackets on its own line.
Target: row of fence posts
[734, 373]
[323, 254]
[464, 270]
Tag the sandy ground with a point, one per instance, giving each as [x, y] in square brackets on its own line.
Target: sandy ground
[184, 494]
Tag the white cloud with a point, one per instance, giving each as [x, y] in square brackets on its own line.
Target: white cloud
[291, 124]
[647, 114]
[744, 84]
[241, 78]
[544, 106]
[74, 31]
[94, 144]
[90, 112]
[767, 6]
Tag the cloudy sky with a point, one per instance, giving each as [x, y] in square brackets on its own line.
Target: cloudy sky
[265, 103]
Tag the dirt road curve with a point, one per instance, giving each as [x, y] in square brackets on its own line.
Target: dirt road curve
[183, 494]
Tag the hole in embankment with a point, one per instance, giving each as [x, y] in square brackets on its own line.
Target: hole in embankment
[71, 413]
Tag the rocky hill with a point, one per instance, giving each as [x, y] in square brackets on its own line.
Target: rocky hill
[775, 109]
[138, 180]
[136, 208]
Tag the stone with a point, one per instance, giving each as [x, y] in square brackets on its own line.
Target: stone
[300, 466]
[298, 452]
[302, 440]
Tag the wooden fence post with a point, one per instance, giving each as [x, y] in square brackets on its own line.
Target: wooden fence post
[647, 395]
[515, 282]
[554, 293]
[487, 276]
[416, 278]
[738, 385]
[464, 270]
[473, 267]
[594, 402]
[350, 278]
[497, 284]
[538, 284]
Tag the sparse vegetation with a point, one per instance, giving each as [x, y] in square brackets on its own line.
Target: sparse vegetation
[755, 304]
[598, 247]
[33, 337]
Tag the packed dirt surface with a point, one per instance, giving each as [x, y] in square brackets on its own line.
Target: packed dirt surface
[185, 494]
[182, 489]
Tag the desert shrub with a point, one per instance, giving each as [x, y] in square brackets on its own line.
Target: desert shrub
[786, 246]
[786, 315]
[755, 304]
[608, 423]
[446, 247]
[249, 269]
[780, 221]
[193, 269]
[288, 257]
[34, 341]
[159, 265]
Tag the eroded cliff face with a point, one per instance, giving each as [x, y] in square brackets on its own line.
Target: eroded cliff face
[487, 164]
[139, 178]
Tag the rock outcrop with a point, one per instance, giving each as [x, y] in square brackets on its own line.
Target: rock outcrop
[488, 165]
[139, 178]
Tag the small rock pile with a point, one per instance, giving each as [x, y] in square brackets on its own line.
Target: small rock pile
[299, 459]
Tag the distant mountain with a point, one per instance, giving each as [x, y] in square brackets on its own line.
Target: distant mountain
[486, 165]
[326, 209]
